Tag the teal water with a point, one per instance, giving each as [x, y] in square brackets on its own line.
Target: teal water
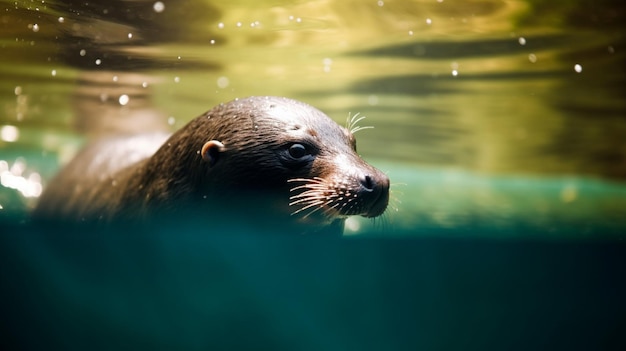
[501, 125]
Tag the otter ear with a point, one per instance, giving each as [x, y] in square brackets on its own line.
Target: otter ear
[211, 151]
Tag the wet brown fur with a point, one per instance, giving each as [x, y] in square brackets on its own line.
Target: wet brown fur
[249, 179]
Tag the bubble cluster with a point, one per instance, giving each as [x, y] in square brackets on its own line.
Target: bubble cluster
[14, 177]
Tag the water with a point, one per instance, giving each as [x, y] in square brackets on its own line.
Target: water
[501, 125]
[490, 113]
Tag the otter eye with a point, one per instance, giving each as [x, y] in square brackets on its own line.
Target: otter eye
[297, 151]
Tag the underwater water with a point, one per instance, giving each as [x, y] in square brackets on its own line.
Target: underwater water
[501, 124]
[491, 114]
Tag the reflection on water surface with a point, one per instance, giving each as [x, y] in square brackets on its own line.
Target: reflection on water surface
[493, 115]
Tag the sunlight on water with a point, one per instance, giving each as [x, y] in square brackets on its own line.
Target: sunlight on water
[13, 176]
[509, 98]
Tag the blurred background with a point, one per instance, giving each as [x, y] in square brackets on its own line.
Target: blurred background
[501, 124]
[492, 117]
[486, 113]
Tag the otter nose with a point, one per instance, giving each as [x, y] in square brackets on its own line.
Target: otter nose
[374, 192]
[367, 182]
[377, 181]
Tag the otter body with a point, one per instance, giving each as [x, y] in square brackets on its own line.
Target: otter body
[263, 162]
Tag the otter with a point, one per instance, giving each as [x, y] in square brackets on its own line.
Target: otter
[258, 163]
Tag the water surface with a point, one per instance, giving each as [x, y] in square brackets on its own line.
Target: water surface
[498, 118]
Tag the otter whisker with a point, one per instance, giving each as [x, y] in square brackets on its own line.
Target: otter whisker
[321, 207]
[328, 211]
[310, 188]
[353, 121]
[306, 200]
[314, 180]
[313, 204]
[309, 193]
[356, 129]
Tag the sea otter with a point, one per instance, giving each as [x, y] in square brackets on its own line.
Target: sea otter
[259, 163]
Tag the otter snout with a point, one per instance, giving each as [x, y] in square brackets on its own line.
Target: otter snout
[374, 189]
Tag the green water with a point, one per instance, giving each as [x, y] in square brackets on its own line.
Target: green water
[500, 115]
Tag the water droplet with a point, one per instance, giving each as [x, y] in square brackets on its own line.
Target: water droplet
[115, 78]
[54, 72]
[130, 35]
[410, 32]
[429, 21]
[578, 68]
[176, 79]
[223, 82]
[158, 7]
[372, 100]
[9, 133]
[35, 28]
[17, 90]
[171, 120]
[212, 42]
[61, 19]
[98, 62]
[380, 3]
[123, 100]
[455, 73]
[521, 41]
[82, 52]
[532, 58]
[144, 84]
[220, 25]
[238, 24]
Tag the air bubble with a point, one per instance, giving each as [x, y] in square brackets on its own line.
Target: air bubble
[223, 82]
[124, 99]
[158, 7]
[9, 133]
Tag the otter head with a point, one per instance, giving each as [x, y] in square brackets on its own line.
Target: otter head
[295, 159]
